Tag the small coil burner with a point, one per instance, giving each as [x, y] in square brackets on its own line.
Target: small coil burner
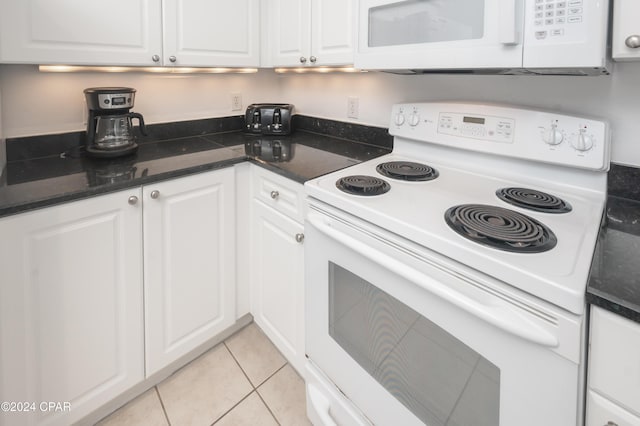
[533, 200]
[406, 170]
[362, 185]
[500, 228]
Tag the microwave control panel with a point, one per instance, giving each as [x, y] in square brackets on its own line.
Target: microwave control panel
[496, 129]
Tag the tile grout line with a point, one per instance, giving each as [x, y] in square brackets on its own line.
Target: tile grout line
[164, 410]
[231, 409]
[255, 389]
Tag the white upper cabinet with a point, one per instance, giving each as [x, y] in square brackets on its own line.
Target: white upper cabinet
[625, 44]
[211, 32]
[310, 32]
[97, 32]
[130, 32]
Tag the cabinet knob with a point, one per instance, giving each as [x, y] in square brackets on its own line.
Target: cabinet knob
[303, 59]
[155, 194]
[274, 194]
[155, 58]
[633, 41]
[313, 59]
[172, 58]
[133, 200]
[299, 238]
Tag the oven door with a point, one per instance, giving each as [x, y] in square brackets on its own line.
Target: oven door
[439, 34]
[413, 338]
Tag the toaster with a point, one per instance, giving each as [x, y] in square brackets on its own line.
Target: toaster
[269, 119]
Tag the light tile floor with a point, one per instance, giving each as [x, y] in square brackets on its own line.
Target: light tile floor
[242, 381]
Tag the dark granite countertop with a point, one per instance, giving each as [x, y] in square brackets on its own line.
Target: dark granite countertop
[38, 182]
[614, 283]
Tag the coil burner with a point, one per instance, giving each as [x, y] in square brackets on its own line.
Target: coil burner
[500, 228]
[407, 170]
[363, 185]
[533, 200]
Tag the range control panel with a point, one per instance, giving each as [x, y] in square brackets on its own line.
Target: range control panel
[498, 129]
[507, 131]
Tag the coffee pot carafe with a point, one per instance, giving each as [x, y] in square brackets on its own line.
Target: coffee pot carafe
[109, 125]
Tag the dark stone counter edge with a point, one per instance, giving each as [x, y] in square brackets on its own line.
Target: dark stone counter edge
[613, 304]
[105, 189]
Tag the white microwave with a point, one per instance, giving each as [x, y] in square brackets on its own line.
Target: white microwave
[566, 37]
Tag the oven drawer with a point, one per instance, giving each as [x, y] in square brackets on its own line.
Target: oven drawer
[326, 406]
[280, 193]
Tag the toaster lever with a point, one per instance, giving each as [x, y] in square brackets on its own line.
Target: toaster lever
[256, 119]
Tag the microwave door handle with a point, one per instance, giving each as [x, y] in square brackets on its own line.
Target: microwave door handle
[508, 25]
[503, 317]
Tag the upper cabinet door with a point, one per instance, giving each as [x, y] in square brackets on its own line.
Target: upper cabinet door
[212, 33]
[289, 28]
[333, 31]
[97, 32]
[625, 43]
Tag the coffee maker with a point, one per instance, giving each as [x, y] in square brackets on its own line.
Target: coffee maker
[109, 125]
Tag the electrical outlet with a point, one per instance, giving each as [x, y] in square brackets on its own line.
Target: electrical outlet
[352, 107]
[236, 102]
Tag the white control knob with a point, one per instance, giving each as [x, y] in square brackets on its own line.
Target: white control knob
[553, 136]
[582, 142]
[414, 119]
[399, 120]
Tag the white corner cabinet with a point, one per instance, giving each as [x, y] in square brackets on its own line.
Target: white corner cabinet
[192, 33]
[306, 33]
[79, 323]
[625, 36]
[613, 394]
[276, 262]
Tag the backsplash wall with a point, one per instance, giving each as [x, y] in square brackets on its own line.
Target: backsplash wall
[39, 103]
[615, 98]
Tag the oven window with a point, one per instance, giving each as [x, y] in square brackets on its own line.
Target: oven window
[425, 21]
[436, 376]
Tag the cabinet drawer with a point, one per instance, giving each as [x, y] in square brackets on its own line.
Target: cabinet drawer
[602, 412]
[278, 192]
[614, 367]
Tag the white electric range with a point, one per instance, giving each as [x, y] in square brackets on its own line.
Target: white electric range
[479, 229]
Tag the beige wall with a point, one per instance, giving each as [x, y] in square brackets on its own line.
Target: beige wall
[39, 103]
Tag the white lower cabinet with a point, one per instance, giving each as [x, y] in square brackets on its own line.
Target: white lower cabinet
[79, 323]
[71, 308]
[189, 264]
[276, 263]
[613, 395]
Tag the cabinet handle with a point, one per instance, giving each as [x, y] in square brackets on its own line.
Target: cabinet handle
[313, 59]
[299, 238]
[303, 59]
[155, 194]
[155, 58]
[610, 423]
[274, 194]
[633, 41]
[133, 200]
[172, 58]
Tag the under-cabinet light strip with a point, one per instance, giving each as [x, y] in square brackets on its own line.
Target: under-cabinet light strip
[302, 70]
[167, 70]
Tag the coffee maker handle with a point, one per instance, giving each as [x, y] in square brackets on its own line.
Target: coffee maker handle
[143, 128]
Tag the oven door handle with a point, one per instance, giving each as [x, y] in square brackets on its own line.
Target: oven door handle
[502, 316]
[320, 404]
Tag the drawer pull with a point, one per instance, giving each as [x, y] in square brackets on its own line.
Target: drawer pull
[275, 194]
[610, 423]
[155, 194]
[133, 200]
[299, 238]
